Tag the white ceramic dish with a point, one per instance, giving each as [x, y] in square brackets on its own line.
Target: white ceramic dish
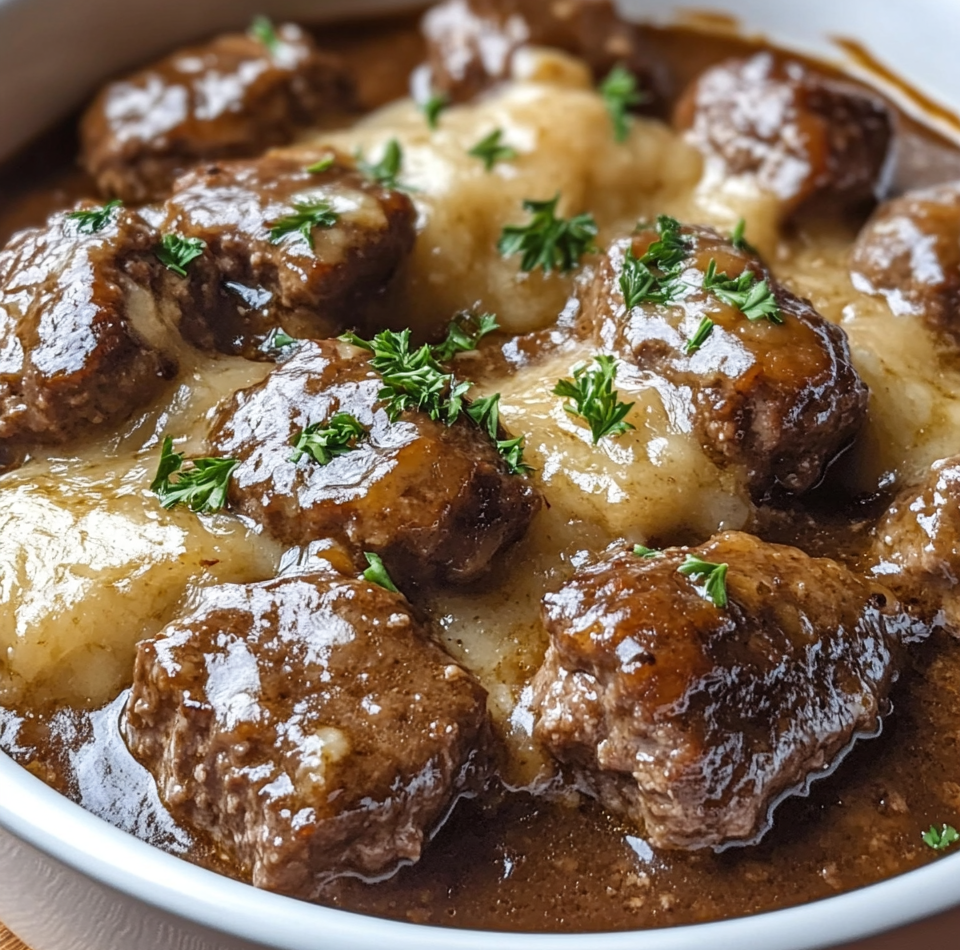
[69, 881]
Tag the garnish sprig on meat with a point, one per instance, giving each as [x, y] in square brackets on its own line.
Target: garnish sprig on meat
[323, 165]
[747, 293]
[307, 214]
[703, 334]
[323, 443]
[465, 332]
[592, 398]
[377, 573]
[648, 554]
[655, 277]
[94, 220]
[714, 577]
[263, 31]
[485, 413]
[177, 253]
[547, 241]
[491, 150]
[621, 92]
[434, 107]
[387, 170]
[201, 488]
[940, 840]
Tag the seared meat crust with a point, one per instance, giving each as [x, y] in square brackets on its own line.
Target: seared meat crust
[309, 726]
[780, 400]
[796, 133]
[435, 501]
[248, 282]
[229, 98]
[691, 719]
[81, 344]
[909, 253]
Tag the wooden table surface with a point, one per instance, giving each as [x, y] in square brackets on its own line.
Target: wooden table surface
[8, 941]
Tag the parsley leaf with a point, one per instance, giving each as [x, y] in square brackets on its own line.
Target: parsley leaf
[203, 488]
[466, 330]
[512, 452]
[324, 165]
[739, 238]
[700, 337]
[486, 414]
[752, 297]
[491, 150]
[655, 277]
[387, 170]
[647, 553]
[548, 241]
[433, 107]
[714, 575]
[279, 340]
[941, 840]
[594, 398]
[377, 574]
[671, 249]
[176, 252]
[306, 215]
[325, 443]
[620, 91]
[94, 220]
[263, 31]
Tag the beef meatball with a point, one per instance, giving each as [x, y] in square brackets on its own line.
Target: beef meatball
[916, 549]
[81, 341]
[284, 246]
[909, 253]
[230, 98]
[692, 719]
[780, 399]
[471, 43]
[309, 725]
[436, 502]
[790, 130]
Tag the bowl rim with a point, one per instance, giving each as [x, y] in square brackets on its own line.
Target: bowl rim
[64, 831]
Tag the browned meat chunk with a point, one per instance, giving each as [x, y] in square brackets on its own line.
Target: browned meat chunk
[472, 42]
[437, 502]
[917, 546]
[694, 720]
[309, 725]
[910, 253]
[232, 97]
[780, 399]
[81, 344]
[796, 133]
[308, 251]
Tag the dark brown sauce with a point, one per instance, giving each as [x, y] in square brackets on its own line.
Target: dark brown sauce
[517, 863]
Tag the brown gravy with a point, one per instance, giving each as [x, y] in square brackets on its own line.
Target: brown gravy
[514, 862]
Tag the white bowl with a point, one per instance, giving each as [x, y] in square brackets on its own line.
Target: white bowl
[69, 881]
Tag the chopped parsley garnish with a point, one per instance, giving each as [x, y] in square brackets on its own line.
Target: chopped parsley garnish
[548, 241]
[433, 107]
[620, 92]
[387, 170]
[486, 414]
[280, 340]
[176, 252]
[655, 277]
[512, 452]
[263, 31]
[646, 553]
[377, 574]
[324, 165]
[466, 330]
[940, 840]
[94, 220]
[306, 215]
[700, 337]
[491, 150]
[202, 488]
[595, 400]
[713, 575]
[739, 238]
[324, 443]
[752, 297]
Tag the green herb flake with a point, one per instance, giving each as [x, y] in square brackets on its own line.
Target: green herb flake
[324, 165]
[486, 414]
[324, 443]
[491, 150]
[306, 215]
[465, 332]
[548, 241]
[377, 574]
[512, 452]
[739, 238]
[176, 252]
[592, 397]
[280, 340]
[700, 337]
[655, 277]
[202, 488]
[386, 171]
[94, 220]
[751, 296]
[940, 840]
[646, 553]
[620, 93]
[713, 575]
[263, 31]
[434, 107]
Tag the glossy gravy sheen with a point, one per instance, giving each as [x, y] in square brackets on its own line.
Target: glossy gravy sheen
[517, 861]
